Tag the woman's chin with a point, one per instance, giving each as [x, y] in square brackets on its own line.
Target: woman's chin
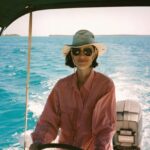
[83, 67]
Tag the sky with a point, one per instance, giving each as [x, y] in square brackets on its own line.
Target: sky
[101, 21]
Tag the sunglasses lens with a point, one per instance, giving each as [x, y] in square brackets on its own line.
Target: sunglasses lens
[75, 51]
[87, 51]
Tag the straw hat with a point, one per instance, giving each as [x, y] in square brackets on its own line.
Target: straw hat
[84, 37]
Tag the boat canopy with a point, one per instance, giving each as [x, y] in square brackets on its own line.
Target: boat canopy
[10, 10]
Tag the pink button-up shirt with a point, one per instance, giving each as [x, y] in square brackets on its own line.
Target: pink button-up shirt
[86, 116]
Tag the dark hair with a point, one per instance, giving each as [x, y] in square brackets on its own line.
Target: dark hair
[69, 61]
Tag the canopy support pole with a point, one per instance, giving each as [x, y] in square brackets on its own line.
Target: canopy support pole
[1, 31]
[28, 77]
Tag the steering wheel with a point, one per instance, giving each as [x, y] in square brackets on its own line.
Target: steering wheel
[58, 145]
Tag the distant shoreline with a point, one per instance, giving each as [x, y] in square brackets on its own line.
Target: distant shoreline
[11, 35]
[104, 35]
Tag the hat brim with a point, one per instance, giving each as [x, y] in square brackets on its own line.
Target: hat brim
[100, 47]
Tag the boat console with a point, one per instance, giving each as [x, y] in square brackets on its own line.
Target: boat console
[129, 126]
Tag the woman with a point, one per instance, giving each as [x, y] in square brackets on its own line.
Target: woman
[82, 105]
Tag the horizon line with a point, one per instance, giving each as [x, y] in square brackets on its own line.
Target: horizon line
[73, 34]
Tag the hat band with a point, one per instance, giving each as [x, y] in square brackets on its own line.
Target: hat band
[82, 41]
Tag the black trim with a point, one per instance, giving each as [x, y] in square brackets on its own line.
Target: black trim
[56, 145]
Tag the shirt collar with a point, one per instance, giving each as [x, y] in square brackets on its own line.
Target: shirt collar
[87, 85]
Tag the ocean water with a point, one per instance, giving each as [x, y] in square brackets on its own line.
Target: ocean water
[127, 62]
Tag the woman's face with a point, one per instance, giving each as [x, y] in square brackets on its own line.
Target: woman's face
[83, 56]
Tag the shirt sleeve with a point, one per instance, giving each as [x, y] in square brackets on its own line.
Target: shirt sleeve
[48, 124]
[104, 121]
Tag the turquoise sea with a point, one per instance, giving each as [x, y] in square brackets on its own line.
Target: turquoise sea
[127, 62]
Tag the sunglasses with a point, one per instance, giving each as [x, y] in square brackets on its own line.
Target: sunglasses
[87, 51]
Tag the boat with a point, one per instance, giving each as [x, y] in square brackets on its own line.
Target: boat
[129, 114]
